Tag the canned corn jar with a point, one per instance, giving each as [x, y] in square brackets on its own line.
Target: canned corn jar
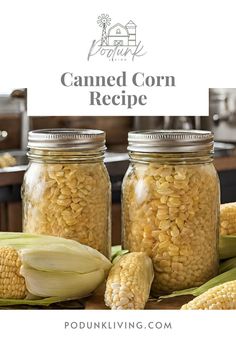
[170, 206]
[66, 190]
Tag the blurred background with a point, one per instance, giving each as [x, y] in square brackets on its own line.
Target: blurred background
[15, 124]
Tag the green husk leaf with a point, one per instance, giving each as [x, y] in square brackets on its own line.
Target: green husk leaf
[59, 257]
[45, 302]
[16, 235]
[61, 284]
[189, 291]
[20, 240]
[88, 259]
[219, 279]
[227, 265]
[227, 246]
[116, 251]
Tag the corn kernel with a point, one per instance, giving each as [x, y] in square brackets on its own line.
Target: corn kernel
[69, 200]
[182, 235]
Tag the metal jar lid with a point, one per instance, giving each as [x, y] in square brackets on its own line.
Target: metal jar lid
[67, 139]
[171, 141]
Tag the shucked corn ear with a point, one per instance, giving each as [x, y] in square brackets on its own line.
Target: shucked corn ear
[228, 219]
[12, 283]
[129, 282]
[47, 266]
[227, 242]
[221, 297]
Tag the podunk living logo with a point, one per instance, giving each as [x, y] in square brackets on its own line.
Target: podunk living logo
[118, 42]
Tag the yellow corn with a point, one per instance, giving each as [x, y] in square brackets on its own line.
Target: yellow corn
[47, 266]
[228, 219]
[129, 282]
[12, 284]
[7, 160]
[221, 297]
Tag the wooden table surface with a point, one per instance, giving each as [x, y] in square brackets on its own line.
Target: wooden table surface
[96, 302]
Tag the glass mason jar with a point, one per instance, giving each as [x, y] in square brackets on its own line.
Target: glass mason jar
[170, 206]
[66, 190]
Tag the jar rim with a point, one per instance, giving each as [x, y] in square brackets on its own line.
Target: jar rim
[61, 139]
[174, 141]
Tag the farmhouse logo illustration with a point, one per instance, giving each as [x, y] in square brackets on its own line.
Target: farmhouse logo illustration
[117, 42]
[117, 34]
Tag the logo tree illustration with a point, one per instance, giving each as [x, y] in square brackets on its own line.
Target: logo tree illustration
[104, 21]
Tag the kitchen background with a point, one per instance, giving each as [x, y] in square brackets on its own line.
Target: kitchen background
[15, 124]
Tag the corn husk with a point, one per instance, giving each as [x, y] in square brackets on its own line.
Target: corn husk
[227, 265]
[117, 252]
[55, 267]
[37, 302]
[219, 279]
[227, 246]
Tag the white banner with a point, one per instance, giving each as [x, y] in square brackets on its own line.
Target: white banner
[118, 58]
[27, 332]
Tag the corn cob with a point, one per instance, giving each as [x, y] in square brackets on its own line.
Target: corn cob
[228, 219]
[221, 297]
[12, 284]
[48, 266]
[129, 282]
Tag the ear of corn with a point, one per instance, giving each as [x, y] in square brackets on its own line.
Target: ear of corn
[129, 282]
[12, 283]
[228, 219]
[48, 266]
[221, 297]
[219, 279]
[227, 241]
